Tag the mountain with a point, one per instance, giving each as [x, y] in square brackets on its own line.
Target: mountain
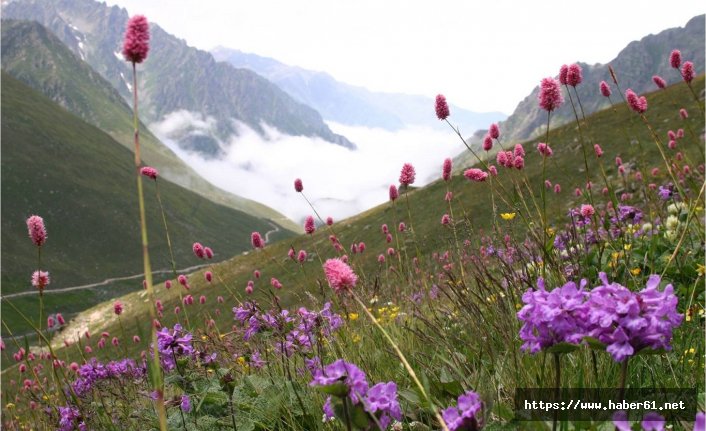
[349, 104]
[175, 78]
[83, 183]
[38, 58]
[634, 66]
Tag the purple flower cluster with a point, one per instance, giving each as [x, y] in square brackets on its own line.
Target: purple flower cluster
[173, 344]
[464, 415]
[628, 322]
[295, 333]
[625, 321]
[552, 317]
[93, 372]
[70, 419]
[379, 401]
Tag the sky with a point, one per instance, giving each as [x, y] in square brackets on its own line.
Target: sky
[483, 55]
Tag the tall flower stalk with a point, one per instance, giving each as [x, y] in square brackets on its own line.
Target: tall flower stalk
[135, 49]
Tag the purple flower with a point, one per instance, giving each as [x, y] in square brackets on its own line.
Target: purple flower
[666, 192]
[173, 344]
[628, 322]
[381, 402]
[621, 422]
[185, 403]
[700, 422]
[463, 416]
[329, 415]
[652, 422]
[553, 317]
[68, 417]
[356, 384]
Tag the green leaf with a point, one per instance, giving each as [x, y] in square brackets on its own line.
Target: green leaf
[338, 389]
[562, 348]
[651, 351]
[410, 395]
[359, 417]
[594, 344]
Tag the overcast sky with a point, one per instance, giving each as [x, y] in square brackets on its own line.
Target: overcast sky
[483, 55]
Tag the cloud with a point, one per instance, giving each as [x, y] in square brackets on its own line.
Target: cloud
[339, 182]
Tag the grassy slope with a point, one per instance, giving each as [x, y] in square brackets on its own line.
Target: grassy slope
[82, 182]
[36, 57]
[428, 206]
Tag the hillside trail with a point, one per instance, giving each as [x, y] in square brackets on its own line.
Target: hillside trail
[128, 277]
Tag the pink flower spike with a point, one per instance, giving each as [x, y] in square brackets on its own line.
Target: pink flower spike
[683, 114]
[402, 227]
[137, 37]
[309, 226]
[442, 108]
[557, 188]
[256, 240]
[519, 150]
[575, 75]
[298, 186]
[494, 131]
[407, 174]
[520, 163]
[275, 283]
[476, 175]
[493, 170]
[256, 274]
[149, 172]
[60, 319]
[637, 104]
[202, 300]
[394, 194]
[329, 221]
[40, 279]
[675, 59]
[563, 74]
[659, 81]
[340, 276]
[687, 71]
[168, 284]
[587, 211]
[37, 231]
[544, 149]
[487, 143]
[598, 150]
[550, 97]
[198, 250]
[208, 275]
[446, 169]
[118, 308]
[445, 220]
[605, 89]
[208, 252]
[301, 256]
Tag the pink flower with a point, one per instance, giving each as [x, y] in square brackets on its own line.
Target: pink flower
[37, 231]
[256, 240]
[388, 238]
[474, 174]
[256, 274]
[575, 75]
[563, 74]
[202, 299]
[598, 150]
[547, 184]
[168, 284]
[675, 59]
[291, 253]
[550, 97]
[183, 281]
[137, 37]
[381, 258]
[544, 149]
[577, 192]
[115, 342]
[384, 228]
[208, 252]
[198, 250]
[208, 275]
[519, 163]
[659, 81]
[50, 322]
[340, 276]
[501, 158]
[683, 114]
[118, 308]
[149, 172]
[519, 151]
[301, 256]
[275, 283]
[637, 104]
[248, 289]
[442, 108]
[557, 188]
[60, 319]
[136, 339]
[446, 170]
[605, 89]
[448, 196]
[618, 161]
[390, 251]
[687, 71]
[407, 174]
[680, 133]
[487, 143]
[354, 248]
[494, 131]
[393, 192]
[493, 170]
[361, 247]
[445, 219]
[587, 210]
[40, 279]
[309, 226]
[654, 172]
[672, 145]
[329, 220]
[402, 227]
[298, 186]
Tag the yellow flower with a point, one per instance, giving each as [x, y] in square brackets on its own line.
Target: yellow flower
[518, 306]
[627, 247]
[356, 338]
[10, 406]
[353, 316]
[204, 338]
[700, 269]
[550, 231]
[508, 216]
[241, 361]
[635, 271]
